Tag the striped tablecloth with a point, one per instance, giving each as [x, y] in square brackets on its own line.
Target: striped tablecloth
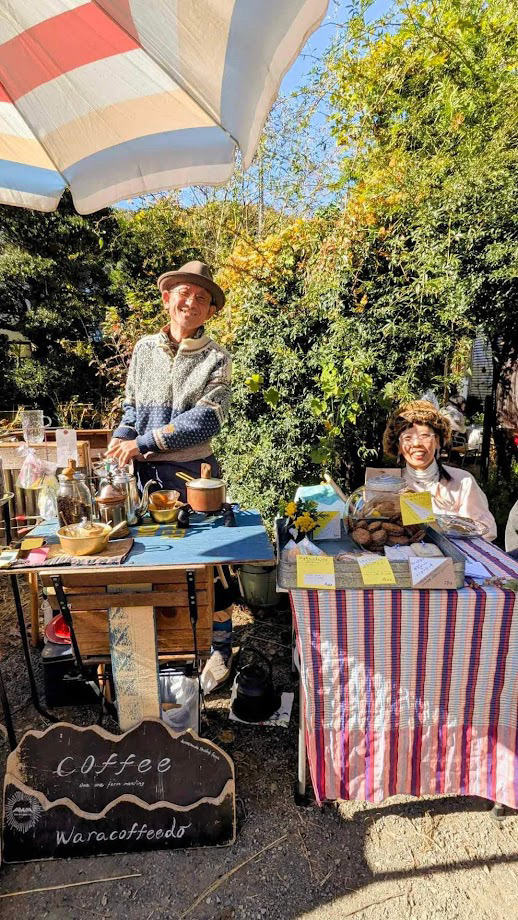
[412, 692]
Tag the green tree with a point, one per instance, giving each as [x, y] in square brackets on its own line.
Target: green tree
[421, 253]
[54, 289]
[425, 113]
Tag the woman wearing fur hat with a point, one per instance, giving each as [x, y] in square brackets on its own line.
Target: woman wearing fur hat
[415, 435]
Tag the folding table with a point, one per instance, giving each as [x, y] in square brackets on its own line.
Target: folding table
[152, 604]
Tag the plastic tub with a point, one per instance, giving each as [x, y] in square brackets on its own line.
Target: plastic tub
[258, 585]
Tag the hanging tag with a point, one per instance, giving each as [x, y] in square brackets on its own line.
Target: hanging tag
[66, 444]
[376, 571]
[315, 572]
[416, 508]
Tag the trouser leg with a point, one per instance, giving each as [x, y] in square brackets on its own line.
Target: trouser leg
[222, 632]
[222, 621]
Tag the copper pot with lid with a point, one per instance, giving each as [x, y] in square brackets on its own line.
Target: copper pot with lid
[206, 494]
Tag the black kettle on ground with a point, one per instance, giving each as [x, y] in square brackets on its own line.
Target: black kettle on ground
[256, 698]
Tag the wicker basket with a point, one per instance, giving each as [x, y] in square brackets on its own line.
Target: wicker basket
[347, 571]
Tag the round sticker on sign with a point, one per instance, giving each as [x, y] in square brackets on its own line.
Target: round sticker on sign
[22, 812]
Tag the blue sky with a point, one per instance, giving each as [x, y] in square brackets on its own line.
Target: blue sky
[317, 44]
[339, 11]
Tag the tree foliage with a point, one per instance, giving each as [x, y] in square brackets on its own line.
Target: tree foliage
[359, 259]
[54, 289]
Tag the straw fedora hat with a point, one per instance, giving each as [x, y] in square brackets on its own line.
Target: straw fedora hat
[193, 273]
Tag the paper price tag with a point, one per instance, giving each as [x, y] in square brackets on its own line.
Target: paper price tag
[66, 446]
[398, 553]
[38, 556]
[7, 557]
[376, 571]
[417, 508]
[431, 572]
[315, 572]
[32, 543]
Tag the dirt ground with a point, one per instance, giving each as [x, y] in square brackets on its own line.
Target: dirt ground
[406, 859]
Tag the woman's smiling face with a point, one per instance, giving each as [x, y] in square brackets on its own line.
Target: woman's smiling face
[418, 445]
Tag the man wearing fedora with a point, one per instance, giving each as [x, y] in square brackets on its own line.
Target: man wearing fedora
[177, 398]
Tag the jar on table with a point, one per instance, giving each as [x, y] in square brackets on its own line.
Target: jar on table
[74, 498]
[373, 515]
[111, 502]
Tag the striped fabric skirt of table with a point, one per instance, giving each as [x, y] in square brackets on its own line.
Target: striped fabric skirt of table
[410, 692]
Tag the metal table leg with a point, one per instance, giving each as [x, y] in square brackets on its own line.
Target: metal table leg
[23, 629]
[11, 737]
[301, 774]
[67, 616]
[301, 795]
[26, 651]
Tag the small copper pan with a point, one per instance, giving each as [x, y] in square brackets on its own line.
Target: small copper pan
[206, 494]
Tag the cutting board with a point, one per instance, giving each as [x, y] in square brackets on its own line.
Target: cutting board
[115, 553]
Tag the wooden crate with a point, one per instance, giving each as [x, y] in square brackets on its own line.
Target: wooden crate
[98, 438]
[12, 459]
[90, 595]
[347, 572]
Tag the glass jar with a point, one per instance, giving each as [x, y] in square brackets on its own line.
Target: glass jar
[373, 515]
[74, 498]
[378, 499]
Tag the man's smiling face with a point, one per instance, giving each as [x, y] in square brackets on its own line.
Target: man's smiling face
[189, 306]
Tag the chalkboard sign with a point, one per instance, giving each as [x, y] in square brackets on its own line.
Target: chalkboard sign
[72, 791]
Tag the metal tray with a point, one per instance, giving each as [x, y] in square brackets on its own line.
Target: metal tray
[347, 572]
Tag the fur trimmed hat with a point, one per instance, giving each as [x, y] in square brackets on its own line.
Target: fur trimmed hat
[418, 412]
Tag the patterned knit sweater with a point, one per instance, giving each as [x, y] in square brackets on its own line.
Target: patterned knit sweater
[177, 396]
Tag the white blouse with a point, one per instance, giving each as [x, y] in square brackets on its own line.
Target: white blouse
[460, 495]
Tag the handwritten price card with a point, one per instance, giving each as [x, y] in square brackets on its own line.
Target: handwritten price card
[416, 508]
[315, 572]
[376, 570]
[66, 446]
[431, 572]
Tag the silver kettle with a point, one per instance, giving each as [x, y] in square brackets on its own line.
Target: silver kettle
[127, 483]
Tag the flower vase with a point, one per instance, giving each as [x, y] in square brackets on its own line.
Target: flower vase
[301, 534]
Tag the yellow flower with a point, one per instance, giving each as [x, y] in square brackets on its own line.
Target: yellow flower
[304, 522]
[290, 509]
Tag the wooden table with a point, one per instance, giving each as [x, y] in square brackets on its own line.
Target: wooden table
[163, 588]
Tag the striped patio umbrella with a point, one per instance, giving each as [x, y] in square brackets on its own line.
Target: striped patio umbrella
[118, 98]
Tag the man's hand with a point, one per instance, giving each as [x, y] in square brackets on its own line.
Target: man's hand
[124, 451]
[112, 446]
